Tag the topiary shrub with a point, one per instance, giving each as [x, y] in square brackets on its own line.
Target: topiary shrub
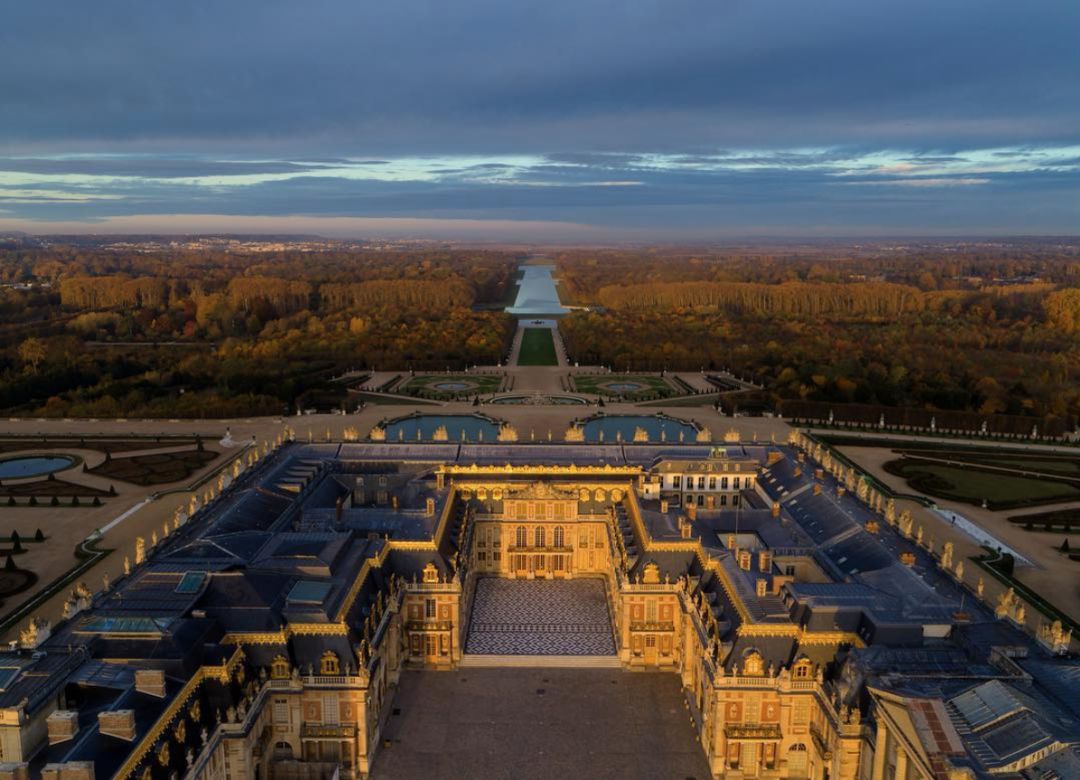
[9, 564]
[39, 536]
[97, 501]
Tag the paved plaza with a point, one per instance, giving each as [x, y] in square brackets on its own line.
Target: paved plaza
[531, 724]
[540, 617]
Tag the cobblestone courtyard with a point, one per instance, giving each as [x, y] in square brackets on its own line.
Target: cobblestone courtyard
[540, 617]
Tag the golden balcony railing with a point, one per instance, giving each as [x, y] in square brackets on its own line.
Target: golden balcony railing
[754, 731]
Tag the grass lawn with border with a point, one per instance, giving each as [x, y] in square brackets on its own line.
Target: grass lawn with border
[973, 485]
[537, 348]
[648, 387]
[447, 387]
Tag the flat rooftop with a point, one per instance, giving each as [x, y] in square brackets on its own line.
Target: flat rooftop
[539, 723]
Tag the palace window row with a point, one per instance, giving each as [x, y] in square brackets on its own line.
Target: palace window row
[678, 482]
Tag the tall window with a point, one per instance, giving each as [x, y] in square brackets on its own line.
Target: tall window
[522, 540]
[559, 540]
[723, 483]
[676, 481]
[429, 608]
[701, 483]
[538, 536]
[712, 483]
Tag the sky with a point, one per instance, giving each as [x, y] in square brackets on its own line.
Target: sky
[542, 120]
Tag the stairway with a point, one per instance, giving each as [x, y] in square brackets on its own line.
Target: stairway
[476, 660]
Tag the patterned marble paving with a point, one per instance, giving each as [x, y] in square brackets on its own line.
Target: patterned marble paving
[539, 617]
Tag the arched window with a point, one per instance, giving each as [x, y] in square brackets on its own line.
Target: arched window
[279, 668]
[753, 664]
[559, 537]
[538, 536]
[797, 759]
[330, 663]
[522, 539]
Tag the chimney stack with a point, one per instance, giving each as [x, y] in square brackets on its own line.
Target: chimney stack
[150, 681]
[62, 725]
[117, 723]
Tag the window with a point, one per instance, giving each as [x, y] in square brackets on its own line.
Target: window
[701, 500]
[522, 540]
[330, 664]
[723, 500]
[712, 483]
[281, 710]
[538, 536]
[559, 536]
[735, 500]
[676, 481]
[429, 608]
[797, 758]
[723, 483]
[753, 664]
[331, 714]
[802, 668]
[701, 483]
[279, 668]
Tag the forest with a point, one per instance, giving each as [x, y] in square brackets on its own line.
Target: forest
[103, 333]
[985, 330]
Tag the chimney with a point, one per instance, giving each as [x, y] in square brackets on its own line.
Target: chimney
[429, 507]
[663, 505]
[691, 512]
[11, 770]
[685, 527]
[762, 585]
[72, 770]
[776, 509]
[117, 723]
[819, 473]
[817, 489]
[744, 559]
[150, 681]
[440, 480]
[765, 561]
[62, 725]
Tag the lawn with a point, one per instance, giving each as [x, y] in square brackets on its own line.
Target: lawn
[973, 485]
[632, 387]
[446, 387]
[537, 348]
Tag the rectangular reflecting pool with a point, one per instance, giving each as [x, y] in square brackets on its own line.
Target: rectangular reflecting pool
[537, 294]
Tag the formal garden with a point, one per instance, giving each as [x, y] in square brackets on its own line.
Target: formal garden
[982, 485]
[449, 387]
[156, 468]
[629, 387]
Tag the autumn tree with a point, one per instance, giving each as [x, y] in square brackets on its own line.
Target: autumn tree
[32, 351]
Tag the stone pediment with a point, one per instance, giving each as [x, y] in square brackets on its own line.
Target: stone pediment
[542, 490]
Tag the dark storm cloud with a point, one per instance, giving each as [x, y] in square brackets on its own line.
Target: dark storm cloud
[419, 76]
[612, 112]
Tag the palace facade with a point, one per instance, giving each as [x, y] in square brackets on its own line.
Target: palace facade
[263, 635]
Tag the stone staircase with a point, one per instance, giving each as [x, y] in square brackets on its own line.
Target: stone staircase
[477, 660]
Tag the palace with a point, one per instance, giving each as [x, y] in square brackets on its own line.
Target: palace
[264, 634]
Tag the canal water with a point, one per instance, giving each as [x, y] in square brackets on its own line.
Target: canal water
[537, 295]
